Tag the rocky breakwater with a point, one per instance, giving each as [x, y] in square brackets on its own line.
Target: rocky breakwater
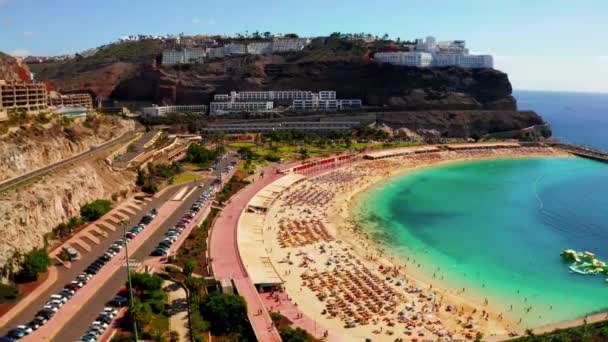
[32, 146]
[28, 213]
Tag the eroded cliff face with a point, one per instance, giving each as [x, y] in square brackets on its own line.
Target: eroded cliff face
[11, 70]
[28, 213]
[30, 147]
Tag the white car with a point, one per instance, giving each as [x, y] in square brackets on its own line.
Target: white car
[55, 302]
[99, 324]
[50, 307]
[59, 298]
[110, 311]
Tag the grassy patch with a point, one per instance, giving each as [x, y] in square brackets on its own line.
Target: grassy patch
[240, 144]
[186, 177]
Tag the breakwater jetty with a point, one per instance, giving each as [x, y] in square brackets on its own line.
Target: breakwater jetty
[581, 151]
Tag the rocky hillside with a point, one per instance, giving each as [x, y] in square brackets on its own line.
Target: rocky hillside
[10, 70]
[31, 146]
[30, 212]
[457, 124]
[130, 71]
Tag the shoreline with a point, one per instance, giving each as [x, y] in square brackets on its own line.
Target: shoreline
[388, 257]
[337, 215]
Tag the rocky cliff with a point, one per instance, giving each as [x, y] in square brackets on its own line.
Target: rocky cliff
[29, 147]
[457, 124]
[130, 71]
[28, 213]
[11, 70]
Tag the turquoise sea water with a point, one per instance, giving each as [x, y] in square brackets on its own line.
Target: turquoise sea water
[497, 228]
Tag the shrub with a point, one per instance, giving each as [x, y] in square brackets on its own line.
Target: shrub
[96, 209]
[189, 266]
[227, 313]
[36, 261]
[150, 189]
[8, 293]
[295, 335]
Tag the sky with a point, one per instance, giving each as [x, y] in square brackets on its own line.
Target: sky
[541, 44]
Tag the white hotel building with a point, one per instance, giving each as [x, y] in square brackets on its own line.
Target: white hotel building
[220, 108]
[256, 101]
[184, 56]
[429, 53]
[163, 110]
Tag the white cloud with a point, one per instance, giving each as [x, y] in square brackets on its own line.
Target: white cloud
[20, 52]
[197, 21]
[602, 58]
[28, 33]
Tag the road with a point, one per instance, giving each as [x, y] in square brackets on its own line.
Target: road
[66, 275]
[14, 181]
[77, 326]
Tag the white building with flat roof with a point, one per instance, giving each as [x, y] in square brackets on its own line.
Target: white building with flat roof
[163, 110]
[430, 53]
[219, 108]
[183, 56]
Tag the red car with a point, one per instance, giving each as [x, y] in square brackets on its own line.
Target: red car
[130, 236]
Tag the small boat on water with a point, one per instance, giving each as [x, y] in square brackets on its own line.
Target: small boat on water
[585, 263]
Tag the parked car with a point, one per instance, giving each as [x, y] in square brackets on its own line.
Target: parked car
[16, 334]
[27, 330]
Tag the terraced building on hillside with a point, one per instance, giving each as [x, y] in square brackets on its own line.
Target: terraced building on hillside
[19, 95]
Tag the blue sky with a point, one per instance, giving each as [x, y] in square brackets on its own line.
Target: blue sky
[549, 45]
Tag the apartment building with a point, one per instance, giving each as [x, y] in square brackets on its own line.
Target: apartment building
[164, 110]
[227, 50]
[311, 126]
[315, 104]
[275, 95]
[71, 100]
[183, 56]
[220, 108]
[261, 48]
[28, 96]
[350, 103]
[429, 53]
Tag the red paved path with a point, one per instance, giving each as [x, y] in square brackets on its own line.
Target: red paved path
[288, 309]
[226, 260]
[82, 296]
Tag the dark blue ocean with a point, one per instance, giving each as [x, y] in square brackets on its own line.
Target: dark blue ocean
[580, 118]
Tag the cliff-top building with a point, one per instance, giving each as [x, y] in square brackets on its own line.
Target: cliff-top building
[429, 53]
[71, 100]
[259, 101]
[27, 96]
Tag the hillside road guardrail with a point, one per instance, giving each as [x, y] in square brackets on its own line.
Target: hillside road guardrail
[19, 179]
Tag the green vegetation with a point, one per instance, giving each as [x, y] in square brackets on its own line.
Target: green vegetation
[295, 335]
[195, 246]
[193, 122]
[148, 309]
[131, 148]
[35, 262]
[200, 155]
[227, 313]
[148, 181]
[240, 144]
[230, 188]
[185, 178]
[8, 293]
[587, 332]
[96, 209]
[67, 228]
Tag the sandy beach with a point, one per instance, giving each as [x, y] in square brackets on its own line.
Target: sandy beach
[352, 285]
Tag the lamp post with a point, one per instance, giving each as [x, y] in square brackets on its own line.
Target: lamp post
[124, 231]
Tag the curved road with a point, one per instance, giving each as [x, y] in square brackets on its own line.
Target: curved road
[19, 179]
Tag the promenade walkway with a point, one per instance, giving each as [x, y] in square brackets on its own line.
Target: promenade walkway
[226, 261]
